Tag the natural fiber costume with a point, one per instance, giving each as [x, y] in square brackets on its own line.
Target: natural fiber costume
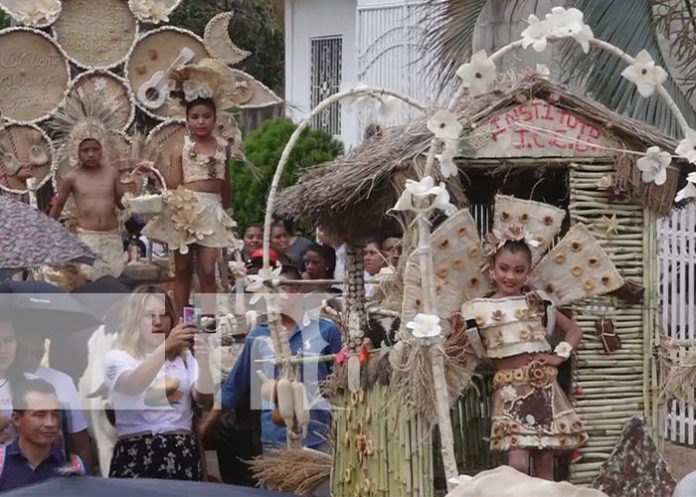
[530, 411]
[195, 217]
[85, 117]
[108, 245]
[191, 217]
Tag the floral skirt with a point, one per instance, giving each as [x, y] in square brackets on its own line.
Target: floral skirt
[169, 457]
[189, 218]
[530, 411]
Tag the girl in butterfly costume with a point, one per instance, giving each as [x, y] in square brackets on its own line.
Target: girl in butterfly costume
[509, 320]
[515, 321]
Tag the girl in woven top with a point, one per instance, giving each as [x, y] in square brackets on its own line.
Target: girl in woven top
[532, 417]
[195, 221]
[154, 379]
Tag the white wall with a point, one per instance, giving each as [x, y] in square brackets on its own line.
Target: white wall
[307, 19]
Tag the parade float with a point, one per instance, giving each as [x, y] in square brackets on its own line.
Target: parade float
[113, 61]
[412, 415]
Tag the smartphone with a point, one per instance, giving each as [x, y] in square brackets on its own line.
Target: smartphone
[192, 316]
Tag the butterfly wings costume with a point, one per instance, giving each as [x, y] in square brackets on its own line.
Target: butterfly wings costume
[530, 411]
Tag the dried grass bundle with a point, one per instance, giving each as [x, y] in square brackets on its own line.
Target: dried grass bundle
[679, 378]
[298, 471]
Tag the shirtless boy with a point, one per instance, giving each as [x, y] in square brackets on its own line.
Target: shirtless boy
[97, 191]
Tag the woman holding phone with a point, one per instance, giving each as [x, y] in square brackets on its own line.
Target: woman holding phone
[154, 379]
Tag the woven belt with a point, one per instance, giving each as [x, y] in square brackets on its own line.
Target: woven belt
[534, 373]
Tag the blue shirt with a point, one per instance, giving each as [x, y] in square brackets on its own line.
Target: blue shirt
[316, 337]
[18, 472]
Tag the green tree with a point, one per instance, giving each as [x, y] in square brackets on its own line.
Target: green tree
[256, 27]
[263, 149]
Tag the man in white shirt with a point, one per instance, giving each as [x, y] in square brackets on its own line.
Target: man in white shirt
[79, 440]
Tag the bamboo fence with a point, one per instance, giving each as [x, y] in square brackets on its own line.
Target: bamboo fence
[610, 388]
[378, 452]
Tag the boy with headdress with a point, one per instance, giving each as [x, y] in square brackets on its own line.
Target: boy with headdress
[96, 189]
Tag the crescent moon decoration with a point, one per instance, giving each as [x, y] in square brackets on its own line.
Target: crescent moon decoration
[153, 11]
[33, 13]
[23, 145]
[218, 43]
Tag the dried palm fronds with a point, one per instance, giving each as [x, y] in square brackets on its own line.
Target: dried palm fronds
[298, 471]
[679, 374]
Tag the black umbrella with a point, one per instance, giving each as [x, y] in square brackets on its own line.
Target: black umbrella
[40, 308]
[104, 298]
[30, 238]
[72, 486]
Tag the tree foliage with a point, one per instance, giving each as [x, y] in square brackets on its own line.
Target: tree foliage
[255, 27]
[263, 149]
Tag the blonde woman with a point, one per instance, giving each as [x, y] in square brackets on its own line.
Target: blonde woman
[154, 379]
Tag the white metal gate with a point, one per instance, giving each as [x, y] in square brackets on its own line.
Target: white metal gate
[677, 277]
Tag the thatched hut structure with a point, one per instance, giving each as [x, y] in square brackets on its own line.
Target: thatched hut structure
[534, 139]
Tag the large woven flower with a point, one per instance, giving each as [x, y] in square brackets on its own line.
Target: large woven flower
[425, 326]
[538, 375]
[687, 147]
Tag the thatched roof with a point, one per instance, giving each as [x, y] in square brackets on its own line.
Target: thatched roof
[350, 193]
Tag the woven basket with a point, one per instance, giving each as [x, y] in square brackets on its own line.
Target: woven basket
[149, 204]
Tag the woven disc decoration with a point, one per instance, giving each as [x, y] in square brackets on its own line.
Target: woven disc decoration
[34, 75]
[147, 69]
[96, 35]
[25, 151]
[164, 138]
[109, 86]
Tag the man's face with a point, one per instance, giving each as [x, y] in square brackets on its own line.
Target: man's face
[39, 424]
[372, 259]
[90, 153]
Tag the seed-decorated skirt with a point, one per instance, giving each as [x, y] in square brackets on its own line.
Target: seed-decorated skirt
[530, 411]
[170, 456]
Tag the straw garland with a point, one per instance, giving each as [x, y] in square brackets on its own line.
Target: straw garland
[678, 373]
[298, 471]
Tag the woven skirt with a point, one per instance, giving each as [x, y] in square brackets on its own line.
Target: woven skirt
[530, 411]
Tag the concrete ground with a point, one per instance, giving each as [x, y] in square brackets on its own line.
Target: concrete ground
[681, 459]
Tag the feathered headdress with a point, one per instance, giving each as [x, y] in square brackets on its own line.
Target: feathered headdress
[85, 116]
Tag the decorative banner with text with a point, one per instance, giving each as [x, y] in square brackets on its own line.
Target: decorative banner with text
[539, 129]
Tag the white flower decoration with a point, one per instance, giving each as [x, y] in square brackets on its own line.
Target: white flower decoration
[569, 24]
[444, 125]
[150, 10]
[100, 85]
[158, 12]
[446, 159]
[478, 73]
[238, 269]
[194, 90]
[37, 13]
[417, 193]
[645, 74]
[536, 34]
[387, 106]
[543, 71]
[654, 166]
[263, 282]
[687, 147]
[425, 326]
[508, 393]
[689, 191]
